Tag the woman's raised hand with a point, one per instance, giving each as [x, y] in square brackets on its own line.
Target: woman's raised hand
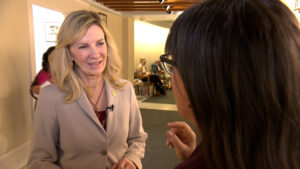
[182, 138]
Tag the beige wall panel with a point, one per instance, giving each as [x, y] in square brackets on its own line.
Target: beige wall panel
[115, 26]
[15, 111]
[128, 49]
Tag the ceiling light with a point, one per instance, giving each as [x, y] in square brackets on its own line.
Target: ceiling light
[167, 7]
[170, 12]
[161, 1]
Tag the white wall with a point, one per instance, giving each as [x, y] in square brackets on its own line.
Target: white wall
[41, 18]
[149, 42]
[291, 5]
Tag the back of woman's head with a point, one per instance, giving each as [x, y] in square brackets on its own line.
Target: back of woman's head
[239, 61]
[45, 62]
[63, 69]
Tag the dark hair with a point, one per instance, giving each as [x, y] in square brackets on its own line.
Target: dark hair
[45, 62]
[239, 62]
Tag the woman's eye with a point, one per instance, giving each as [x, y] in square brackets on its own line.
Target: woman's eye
[100, 43]
[82, 47]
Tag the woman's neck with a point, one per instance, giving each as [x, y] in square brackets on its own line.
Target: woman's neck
[89, 81]
[92, 84]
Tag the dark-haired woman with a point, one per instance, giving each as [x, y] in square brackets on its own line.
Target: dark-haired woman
[235, 76]
[43, 78]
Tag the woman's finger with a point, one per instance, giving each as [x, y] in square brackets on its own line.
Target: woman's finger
[174, 140]
[179, 124]
[121, 164]
[115, 166]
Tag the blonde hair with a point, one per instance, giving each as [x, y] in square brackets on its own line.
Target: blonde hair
[63, 70]
[142, 60]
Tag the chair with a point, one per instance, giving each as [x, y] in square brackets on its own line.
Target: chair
[149, 86]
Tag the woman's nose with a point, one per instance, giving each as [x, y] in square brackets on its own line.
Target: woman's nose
[95, 52]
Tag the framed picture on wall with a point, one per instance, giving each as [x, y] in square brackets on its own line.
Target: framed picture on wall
[51, 31]
[103, 17]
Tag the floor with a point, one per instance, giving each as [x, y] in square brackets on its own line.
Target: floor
[156, 112]
[158, 106]
[143, 104]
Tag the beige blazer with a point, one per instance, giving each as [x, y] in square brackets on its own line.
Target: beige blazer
[70, 136]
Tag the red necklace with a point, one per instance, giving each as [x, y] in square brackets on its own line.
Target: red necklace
[94, 105]
[100, 114]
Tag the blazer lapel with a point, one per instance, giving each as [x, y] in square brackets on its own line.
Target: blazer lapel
[86, 106]
[112, 100]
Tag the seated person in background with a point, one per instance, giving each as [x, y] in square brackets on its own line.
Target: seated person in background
[236, 77]
[144, 75]
[43, 77]
[157, 69]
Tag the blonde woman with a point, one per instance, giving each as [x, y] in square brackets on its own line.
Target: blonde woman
[89, 118]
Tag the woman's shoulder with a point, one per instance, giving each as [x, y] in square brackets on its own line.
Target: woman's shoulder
[53, 91]
[123, 80]
[123, 84]
[195, 161]
[52, 87]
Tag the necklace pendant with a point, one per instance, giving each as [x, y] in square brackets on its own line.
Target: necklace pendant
[114, 93]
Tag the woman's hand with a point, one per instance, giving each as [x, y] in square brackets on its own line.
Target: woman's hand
[148, 74]
[183, 138]
[35, 89]
[124, 164]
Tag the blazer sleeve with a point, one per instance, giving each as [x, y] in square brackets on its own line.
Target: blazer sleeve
[137, 136]
[45, 134]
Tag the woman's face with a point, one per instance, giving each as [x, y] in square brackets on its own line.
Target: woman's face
[90, 52]
[143, 63]
[182, 100]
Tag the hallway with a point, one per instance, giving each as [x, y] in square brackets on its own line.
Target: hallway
[156, 112]
[18, 68]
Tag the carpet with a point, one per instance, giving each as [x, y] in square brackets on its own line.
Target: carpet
[158, 156]
[164, 99]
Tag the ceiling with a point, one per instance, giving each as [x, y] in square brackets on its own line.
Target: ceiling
[165, 6]
[157, 12]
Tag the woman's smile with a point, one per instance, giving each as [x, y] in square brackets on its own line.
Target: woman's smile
[95, 64]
